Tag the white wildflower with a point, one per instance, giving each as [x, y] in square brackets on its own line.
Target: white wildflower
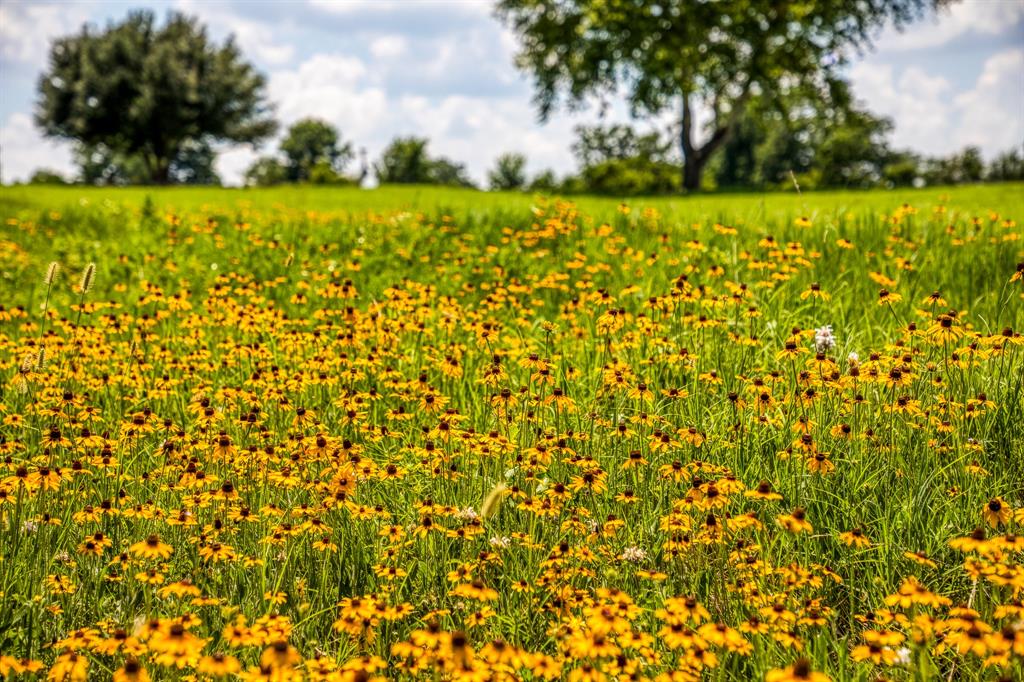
[500, 541]
[823, 339]
[634, 554]
[468, 514]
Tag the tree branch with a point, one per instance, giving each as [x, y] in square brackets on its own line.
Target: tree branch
[722, 132]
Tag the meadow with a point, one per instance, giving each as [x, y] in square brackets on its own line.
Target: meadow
[415, 433]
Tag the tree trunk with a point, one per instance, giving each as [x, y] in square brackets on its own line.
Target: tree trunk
[693, 158]
[693, 168]
[161, 172]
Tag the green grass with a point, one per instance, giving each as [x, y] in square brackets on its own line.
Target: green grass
[1008, 197]
[357, 306]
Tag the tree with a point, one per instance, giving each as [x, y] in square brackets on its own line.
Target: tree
[902, 169]
[545, 181]
[310, 142]
[443, 171]
[822, 137]
[854, 150]
[1007, 166]
[630, 177]
[266, 172]
[684, 54]
[404, 161]
[619, 161]
[45, 176]
[965, 166]
[509, 172]
[971, 165]
[144, 90]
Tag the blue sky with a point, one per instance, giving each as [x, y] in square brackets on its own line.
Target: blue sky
[443, 69]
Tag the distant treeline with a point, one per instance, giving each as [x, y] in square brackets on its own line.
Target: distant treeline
[849, 151]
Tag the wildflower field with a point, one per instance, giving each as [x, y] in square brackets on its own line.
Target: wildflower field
[440, 435]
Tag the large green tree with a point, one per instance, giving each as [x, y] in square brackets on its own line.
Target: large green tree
[687, 55]
[145, 90]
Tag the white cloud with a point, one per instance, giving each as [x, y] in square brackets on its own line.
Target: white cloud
[334, 88]
[25, 150]
[255, 38]
[917, 102]
[232, 163]
[389, 46]
[992, 112]
[972, 17]
[351, 7]
[27, 29]
[930, 117]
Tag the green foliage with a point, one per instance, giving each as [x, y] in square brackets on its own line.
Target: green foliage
[101, 165]
[598, 144]
[509, 172]
[194, 164]
[965, 166]
[443, 171]
[142, 90]
[631, 177]
[1007, 166]
[617, 160]
[311, 143]
[543, 182]
[679, 53]
[266, 171]
[822, 136]
[323, 173]
[45, 176]
[902, 170]
[406, 161]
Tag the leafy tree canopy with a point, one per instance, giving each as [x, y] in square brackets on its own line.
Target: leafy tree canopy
[681, 53]
[143, 90]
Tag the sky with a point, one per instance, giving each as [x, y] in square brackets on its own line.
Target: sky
[444, 69]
